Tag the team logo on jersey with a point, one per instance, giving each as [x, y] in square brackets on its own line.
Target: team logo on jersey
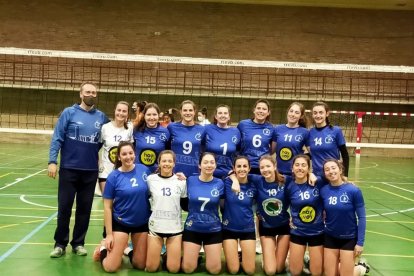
[163, 137]
[215, 192]
[315, 192]
[307, 214]
[112, 154]
[285, 154]
[97, 125]
[329, 139]
[266, 131]
[234, 139]
[344, 198]
[225, 222]
[298, 138]
[144, 177]
[189, 223]
[148, 157]
[272, 206]
[249, 193]
[198, 136]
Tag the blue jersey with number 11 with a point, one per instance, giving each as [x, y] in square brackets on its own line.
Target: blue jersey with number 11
[289, 142]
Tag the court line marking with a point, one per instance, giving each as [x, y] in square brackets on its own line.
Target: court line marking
[18, 216]
[389, 235]
[6, 174]
[8, 225]
[391, 213]
[21, 179]
[387, 255]
[26, 238]
[44, 196]
[36, 156]
[386, 183]
[390, 221]
[386, 191]
[22, 198]
[364, 168]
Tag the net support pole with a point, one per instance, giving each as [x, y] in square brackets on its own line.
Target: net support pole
[358, 142]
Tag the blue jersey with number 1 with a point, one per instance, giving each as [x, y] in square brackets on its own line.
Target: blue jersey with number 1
[203, 204]
[223, 142]
[256, 140]
[186, 144]
[289, 142]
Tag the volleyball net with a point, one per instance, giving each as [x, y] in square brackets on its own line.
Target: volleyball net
[35, 86]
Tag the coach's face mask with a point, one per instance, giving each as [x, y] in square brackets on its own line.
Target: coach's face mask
[89, 100]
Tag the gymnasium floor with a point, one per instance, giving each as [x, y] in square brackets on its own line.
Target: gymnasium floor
[28, 217]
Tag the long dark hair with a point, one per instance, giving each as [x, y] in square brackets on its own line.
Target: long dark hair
[266, 102]
[327, 109]
[307, 159]
[142, 124]
[303, 121]
[121, 144]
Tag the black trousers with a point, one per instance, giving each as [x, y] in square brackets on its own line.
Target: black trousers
[79, 184]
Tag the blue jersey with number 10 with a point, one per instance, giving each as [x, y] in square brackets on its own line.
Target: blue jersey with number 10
[256, 140]
[223, 142]
[203, 203]
[186, 144]
[289, 142]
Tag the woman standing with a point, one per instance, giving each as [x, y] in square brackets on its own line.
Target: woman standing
[222, 140]
[203, 225]
[325, 141]
[166, 191]
[306, 209]
[186, 137]
[256, 134]
[126, 191]
[238, 220]
[111, 134]
[290, 138]
[150, 137]
[272, 206]
[345, 222]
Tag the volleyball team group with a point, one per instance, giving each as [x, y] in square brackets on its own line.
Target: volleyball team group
[228, 180]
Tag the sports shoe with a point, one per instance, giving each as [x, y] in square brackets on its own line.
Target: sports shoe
[97, 254]
[362, 262]
[258, 247]
[128, 248]
[80, 250]
[57, 252]
[163, 250]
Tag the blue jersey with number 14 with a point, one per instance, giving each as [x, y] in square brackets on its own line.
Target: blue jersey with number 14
[289, 142]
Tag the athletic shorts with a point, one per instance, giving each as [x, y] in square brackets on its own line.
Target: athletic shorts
[274, 231]
[233, 235]
[202, 238]
[316, 240]
[343, 244]
[164, 235]
[117, 227]
[105, 168]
